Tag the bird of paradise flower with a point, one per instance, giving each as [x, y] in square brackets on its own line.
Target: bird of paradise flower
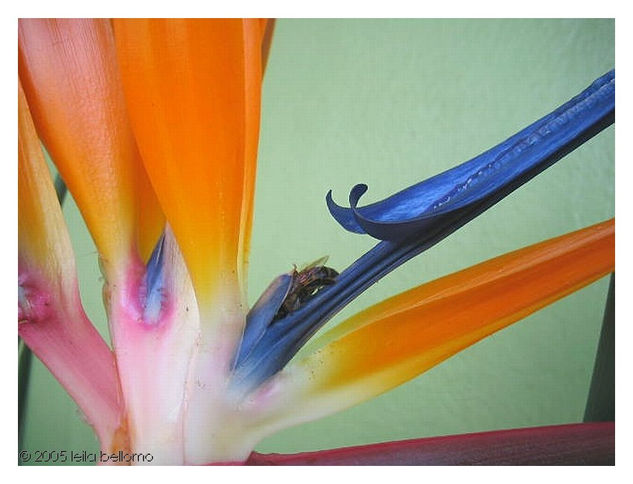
[177, 307]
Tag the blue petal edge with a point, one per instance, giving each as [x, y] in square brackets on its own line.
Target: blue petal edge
[511, 163]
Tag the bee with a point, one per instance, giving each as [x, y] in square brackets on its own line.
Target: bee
[306, 283]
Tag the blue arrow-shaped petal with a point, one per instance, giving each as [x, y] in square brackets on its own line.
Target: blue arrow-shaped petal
[461, 190]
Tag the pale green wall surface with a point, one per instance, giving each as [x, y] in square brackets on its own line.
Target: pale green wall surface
[389, 103]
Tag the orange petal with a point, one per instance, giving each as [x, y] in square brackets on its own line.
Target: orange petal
[406, 335]
[193, 93]
[71, 80]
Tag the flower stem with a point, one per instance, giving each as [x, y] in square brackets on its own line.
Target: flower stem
[25, 354]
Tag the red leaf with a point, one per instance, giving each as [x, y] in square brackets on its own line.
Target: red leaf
[574, 444]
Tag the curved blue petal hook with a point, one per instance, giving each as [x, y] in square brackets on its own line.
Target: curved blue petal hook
[495, 172]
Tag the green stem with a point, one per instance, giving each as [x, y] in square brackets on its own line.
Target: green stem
[601, 400]
[25, 358]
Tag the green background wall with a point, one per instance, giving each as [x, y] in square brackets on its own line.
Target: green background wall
[389, 103]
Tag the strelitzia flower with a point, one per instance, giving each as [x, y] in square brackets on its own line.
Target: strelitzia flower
[153, 125]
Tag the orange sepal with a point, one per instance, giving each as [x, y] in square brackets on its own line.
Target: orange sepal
[43, 241]
[399, 338]
[193, 93]
[70, 77]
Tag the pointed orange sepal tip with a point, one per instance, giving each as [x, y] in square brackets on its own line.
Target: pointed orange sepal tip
[70, 77]
[43, 242]
[402, 337]
[193, 93]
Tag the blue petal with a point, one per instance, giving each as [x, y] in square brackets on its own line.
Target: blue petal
[262, 313]
[491, 175]
[154, 283]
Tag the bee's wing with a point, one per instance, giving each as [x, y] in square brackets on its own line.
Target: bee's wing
[317, 263]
